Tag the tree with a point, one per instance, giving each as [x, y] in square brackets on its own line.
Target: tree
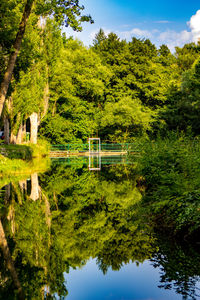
[137, 71]
[99, 37]
[68, 12]
[186, 56]
[77, 86]
[182, 110]
[125, 119]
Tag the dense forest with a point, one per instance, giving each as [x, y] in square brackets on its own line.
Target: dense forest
[116, 89]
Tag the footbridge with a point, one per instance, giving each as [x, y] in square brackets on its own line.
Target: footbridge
[92, 148]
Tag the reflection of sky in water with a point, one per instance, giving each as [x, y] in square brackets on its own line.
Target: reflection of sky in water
[130, 283]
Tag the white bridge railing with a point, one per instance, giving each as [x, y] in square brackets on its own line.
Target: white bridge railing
[94, 154]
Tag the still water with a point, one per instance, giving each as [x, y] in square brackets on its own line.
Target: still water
[130, 282]
[80, 232]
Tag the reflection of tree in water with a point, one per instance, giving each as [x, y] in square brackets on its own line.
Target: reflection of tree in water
[71, 215]
[179, 265]
[78, 215]
[26, 219]
[9, 262]
[100, 213]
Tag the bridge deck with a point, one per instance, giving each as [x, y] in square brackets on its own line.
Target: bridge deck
[87, 153]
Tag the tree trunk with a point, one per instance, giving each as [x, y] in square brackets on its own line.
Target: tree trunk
[7, 193]
[19, 135]
[9, 261]
[46, 99]
[23, 186]
[6, 130]
[13, 138]
[24, 131]
[34, 187]
[34, 128]
[13, 56]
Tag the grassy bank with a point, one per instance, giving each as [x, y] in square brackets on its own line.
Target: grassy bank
[23, 159]
[25, 152]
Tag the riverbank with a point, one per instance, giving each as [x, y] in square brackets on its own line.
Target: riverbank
[23, 159]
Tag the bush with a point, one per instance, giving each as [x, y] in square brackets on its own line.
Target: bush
[171, 169]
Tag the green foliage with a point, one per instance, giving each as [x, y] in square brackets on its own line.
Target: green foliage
[10, 12]
[66, 13]
[31, 71]
[115, 88]
[182, 111]
[57, 130]
[28, 95]
[170, 168]
[77, 89]
[125, 119]
[187, 55]
[136, 69]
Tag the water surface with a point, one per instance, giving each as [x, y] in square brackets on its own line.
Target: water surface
[80, 234]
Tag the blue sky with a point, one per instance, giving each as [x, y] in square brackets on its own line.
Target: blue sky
[130, 282]
[172, 22]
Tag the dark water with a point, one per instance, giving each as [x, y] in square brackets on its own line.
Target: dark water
[79, 234]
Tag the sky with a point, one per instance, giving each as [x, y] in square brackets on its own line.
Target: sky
[171, 22]
[130, 282]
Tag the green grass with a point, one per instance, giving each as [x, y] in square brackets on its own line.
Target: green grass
[23, 159]
[25, 152]
[16, 151]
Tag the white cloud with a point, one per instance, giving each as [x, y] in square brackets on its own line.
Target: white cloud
[194, 25]
[171, 38]
[157, 36]
[162, 22]
[135, 32]
[170, 35]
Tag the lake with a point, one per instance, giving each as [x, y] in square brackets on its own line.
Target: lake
[80, 231]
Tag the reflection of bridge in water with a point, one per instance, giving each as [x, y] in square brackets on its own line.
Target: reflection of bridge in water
[94, 162]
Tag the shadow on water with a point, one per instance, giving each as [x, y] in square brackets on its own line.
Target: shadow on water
[61, 219]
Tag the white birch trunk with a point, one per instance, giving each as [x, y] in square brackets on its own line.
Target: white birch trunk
[34, 187]
[34, 128]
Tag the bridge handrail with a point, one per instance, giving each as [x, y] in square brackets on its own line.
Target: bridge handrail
[104, 147]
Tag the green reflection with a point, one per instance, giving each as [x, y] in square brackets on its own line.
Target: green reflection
[179, 264]
[69, 215]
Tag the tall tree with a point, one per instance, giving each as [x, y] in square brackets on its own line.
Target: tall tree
[13, 56]
[64, 12]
